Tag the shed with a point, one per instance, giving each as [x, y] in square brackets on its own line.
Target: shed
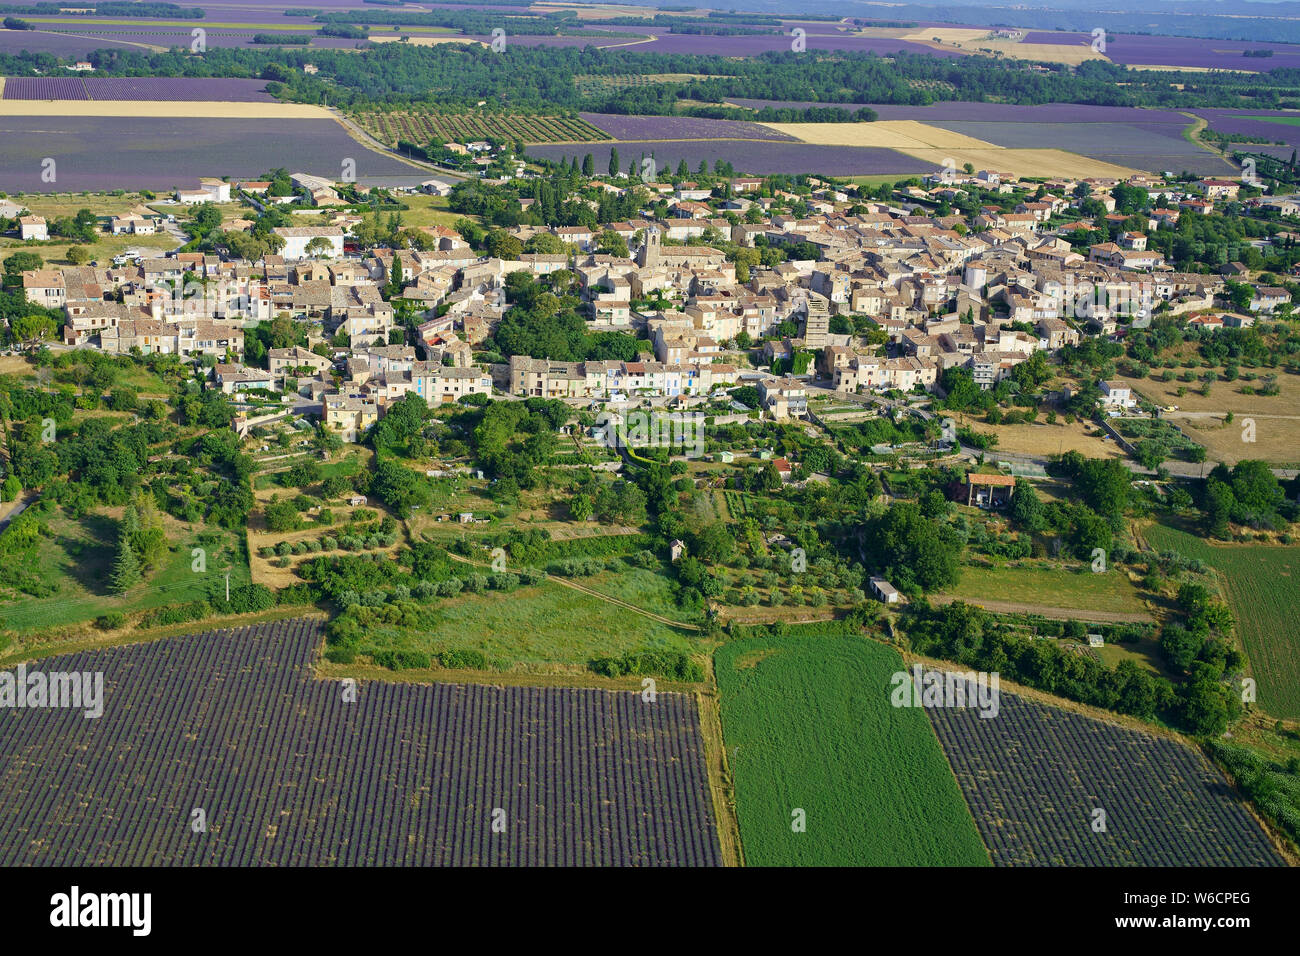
[884, 590]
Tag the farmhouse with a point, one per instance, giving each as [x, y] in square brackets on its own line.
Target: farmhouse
[33, 227]
[132, 224]
[1118, 395]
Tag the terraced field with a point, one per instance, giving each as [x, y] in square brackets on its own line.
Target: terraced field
[288, 773]
[1035, 777]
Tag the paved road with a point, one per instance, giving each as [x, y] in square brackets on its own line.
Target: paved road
[22, 506]
[366, 139]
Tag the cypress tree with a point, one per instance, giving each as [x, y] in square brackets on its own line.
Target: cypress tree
[126, 569]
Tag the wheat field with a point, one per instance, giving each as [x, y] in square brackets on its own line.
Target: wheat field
[888, 134]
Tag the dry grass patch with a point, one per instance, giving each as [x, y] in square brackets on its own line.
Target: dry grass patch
[1202, 417]
[1044, 440]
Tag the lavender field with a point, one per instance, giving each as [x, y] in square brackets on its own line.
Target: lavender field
[623, 127]
[760, 159]
[289, 774]
[1131, 49]
[1249, 123]
[143, 88]
[960, 111]
[57, 44]
[1155, 146]
[1034, 776]
[165, 153]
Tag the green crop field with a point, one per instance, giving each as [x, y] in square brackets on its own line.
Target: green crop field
[1038, 584]
[808, 724]
[1282, 120]
[1262, 584]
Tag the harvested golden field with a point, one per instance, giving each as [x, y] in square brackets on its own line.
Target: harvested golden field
[888, 134]
[1224, 396]
[940, 146]
[1277, 439]
[976, 41]
[142, 109]
[1043, 440]
[1028, 163]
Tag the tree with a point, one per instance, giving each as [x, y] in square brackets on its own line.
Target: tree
[319, 246]
[502, 245]
[912, 550]
[1027, 507]
[396, 282]
[33, 328]
[18, 263]
[613, 161]
[611, 243]
[126, 569]
[580, 508]
[588, 165]
[78, 255]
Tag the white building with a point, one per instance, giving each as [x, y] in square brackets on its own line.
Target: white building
[297, 238]
[33, 227]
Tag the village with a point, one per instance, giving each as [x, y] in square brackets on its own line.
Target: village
[855, 296]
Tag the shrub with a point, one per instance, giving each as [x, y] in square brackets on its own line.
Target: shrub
[465, 659]
[110, 621]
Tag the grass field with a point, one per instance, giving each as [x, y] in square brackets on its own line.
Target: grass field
[65, 205]
[1039, 584]
[429, 211]
[646, 589]
[546, 628]
[1262, 584]
[1042, 439]
[808, 725]
[1201, 417]
[79, 559]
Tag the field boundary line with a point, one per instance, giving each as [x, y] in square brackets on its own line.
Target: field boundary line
[721, 783]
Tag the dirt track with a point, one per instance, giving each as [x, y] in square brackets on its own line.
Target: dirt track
[1059, 613]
